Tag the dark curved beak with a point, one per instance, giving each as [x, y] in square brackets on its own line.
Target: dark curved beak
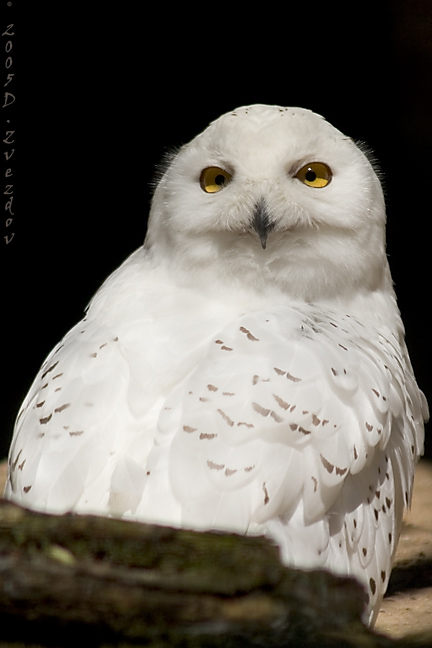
[261, 223]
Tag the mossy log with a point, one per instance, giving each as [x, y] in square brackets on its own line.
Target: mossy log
[104, 582]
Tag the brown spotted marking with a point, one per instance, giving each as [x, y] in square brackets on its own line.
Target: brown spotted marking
[230, 471]
[214, 466]
[281, 402]
[276, 417]
[341, 471]
[303, 431]
[248, 334]
[327, 465]
[49, 370]
[61, 408]
[189, 429]
[260, 409]
[226, 417]
[292, 378]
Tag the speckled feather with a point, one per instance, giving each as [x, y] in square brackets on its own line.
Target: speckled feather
[214, 384]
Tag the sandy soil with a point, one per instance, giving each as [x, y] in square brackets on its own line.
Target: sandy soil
[408, 605]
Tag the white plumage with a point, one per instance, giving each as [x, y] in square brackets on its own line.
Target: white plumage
[246, 368]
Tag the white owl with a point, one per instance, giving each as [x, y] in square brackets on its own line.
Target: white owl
[245, 369]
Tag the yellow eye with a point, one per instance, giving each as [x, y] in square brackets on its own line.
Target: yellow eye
[315, 174]
[214, 179]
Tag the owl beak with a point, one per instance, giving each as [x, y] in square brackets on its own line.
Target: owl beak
[261, 223]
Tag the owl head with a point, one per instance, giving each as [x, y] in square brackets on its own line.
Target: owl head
[272, 199]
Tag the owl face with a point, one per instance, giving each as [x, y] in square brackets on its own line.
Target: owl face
[273, 195]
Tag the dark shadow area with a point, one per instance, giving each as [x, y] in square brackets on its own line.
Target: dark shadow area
[413, 575]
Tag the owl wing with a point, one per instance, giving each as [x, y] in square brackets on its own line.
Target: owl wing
[84, 432]
[64, 431]
[286, 404]
[300, 424]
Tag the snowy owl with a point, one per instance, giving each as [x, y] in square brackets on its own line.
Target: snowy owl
[245, 369]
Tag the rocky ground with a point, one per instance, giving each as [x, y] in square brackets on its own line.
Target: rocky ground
[408, 606]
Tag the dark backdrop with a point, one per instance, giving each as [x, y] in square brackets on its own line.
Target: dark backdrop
[100, 96]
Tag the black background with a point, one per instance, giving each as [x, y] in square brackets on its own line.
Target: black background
[100, 95]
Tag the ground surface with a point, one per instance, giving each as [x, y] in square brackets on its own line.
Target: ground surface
[408, 607]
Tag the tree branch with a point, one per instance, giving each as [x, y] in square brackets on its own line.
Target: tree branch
[117, 583]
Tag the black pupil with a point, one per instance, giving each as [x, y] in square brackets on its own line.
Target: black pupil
[310, 175]
[220, 179]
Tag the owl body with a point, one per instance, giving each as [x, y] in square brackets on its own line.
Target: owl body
[245, 369]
